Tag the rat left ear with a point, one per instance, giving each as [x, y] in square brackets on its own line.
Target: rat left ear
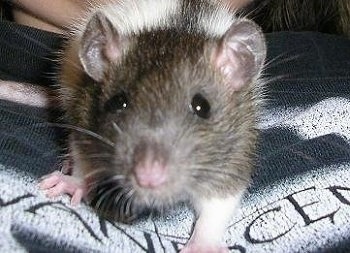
[240, 54]
[100, 46]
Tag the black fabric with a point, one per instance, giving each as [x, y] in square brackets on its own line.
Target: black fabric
[308, 67]
[28, 54]
[298, 158]
[26, 140]
[305, 68]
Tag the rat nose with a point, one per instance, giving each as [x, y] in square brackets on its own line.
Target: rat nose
[150, 164]
[151, 174]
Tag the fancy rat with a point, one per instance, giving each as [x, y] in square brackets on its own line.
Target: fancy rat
[162, 97]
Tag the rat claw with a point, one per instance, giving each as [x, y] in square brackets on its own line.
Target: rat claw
[56, 190]
[56, 184]
[77, 197]
[56, 172]
[50, 180]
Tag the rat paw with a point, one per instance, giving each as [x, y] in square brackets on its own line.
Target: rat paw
[56, 184]
[202, 248]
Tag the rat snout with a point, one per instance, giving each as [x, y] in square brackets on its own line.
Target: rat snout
[150, 169]
[152, 174]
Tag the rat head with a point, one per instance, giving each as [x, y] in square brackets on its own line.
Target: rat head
[172, 110]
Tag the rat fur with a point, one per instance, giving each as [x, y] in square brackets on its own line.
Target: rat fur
[164, 97]
[328, 16]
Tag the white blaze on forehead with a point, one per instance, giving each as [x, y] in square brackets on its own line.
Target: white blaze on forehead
[216, 23]
[134, 16]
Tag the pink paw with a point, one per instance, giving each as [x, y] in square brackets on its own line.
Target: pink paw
[56, 184]
[200, 248]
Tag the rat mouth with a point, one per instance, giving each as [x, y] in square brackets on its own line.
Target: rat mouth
[116, 199]
[113, 199]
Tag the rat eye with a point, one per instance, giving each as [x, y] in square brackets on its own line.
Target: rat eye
[200, 106]
[117, 103]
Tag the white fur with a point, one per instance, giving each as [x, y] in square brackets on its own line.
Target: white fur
[218, 22]
[135, 16]
[214, 215]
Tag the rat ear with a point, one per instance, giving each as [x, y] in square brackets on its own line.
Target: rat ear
[100, 46]
[240, 54]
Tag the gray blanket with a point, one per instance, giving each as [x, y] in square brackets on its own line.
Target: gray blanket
[299, 198]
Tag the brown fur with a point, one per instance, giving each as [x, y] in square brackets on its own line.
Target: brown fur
[328, 16]
[160, 72]
[344, 17]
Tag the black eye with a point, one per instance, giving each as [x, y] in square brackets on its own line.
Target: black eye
[117, 103]
[200, 106]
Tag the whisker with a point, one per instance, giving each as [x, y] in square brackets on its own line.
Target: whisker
[279, 59]
[269, 80]
[98, 183]
[84, 131]
[117, 200]
[104, 195]
[130, 196]
[94, 172]
[117, 128]
[96, 156]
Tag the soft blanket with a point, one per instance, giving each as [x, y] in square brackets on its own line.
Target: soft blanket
[299, 198]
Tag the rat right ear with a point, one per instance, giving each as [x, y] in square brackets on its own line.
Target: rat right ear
[240, 54]
[100, 46]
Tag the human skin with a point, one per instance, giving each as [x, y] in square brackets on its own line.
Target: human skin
[56, 16]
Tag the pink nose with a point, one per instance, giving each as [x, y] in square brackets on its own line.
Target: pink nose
[151, 174]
